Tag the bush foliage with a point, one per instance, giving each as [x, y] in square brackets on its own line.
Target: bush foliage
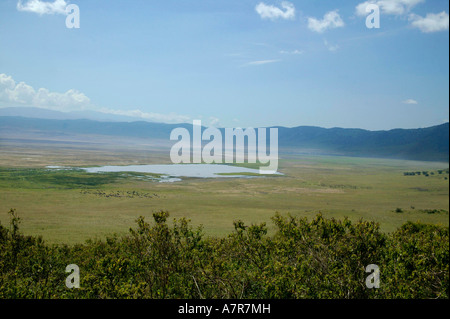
[318, 258]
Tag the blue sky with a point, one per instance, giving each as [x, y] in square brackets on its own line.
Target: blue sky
[231, 62]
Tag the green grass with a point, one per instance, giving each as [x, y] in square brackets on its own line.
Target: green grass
[248, 174]
[39, 178]
[52, 204]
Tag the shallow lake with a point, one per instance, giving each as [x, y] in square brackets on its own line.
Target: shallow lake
[179, 170]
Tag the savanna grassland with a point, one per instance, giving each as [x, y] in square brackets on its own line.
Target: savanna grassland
[309, 233]
[71, 206]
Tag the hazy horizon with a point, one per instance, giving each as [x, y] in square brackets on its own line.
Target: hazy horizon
[91, 116]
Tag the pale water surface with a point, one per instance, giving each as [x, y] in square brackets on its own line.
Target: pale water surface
[179, 170]
[172, 172]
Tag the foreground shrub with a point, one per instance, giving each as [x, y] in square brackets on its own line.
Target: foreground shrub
[318, 258]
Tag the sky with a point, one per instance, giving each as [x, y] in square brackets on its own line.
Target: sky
[231, 63]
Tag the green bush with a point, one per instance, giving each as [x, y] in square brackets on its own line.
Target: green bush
[318, 258]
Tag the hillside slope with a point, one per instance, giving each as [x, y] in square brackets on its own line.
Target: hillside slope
[427, 144]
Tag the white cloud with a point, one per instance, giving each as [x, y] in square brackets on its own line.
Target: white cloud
[393, 7]
[361, 8]
[331, 47]
[432, 22]
[14, 94]
[6, 82]
[43, 7]
[262, 62]
[410, 101]
[331, 20]
[271, 12]
[295, 52]
[214, 121]
[150, 116]
[22, 94]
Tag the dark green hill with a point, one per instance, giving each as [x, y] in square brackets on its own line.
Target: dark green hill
[430, 143]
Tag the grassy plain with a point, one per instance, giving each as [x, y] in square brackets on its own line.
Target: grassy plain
[72, 206]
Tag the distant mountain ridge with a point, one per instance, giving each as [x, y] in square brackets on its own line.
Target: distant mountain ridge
[426, 144]
[39, 113]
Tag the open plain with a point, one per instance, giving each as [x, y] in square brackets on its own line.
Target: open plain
[70, 206]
